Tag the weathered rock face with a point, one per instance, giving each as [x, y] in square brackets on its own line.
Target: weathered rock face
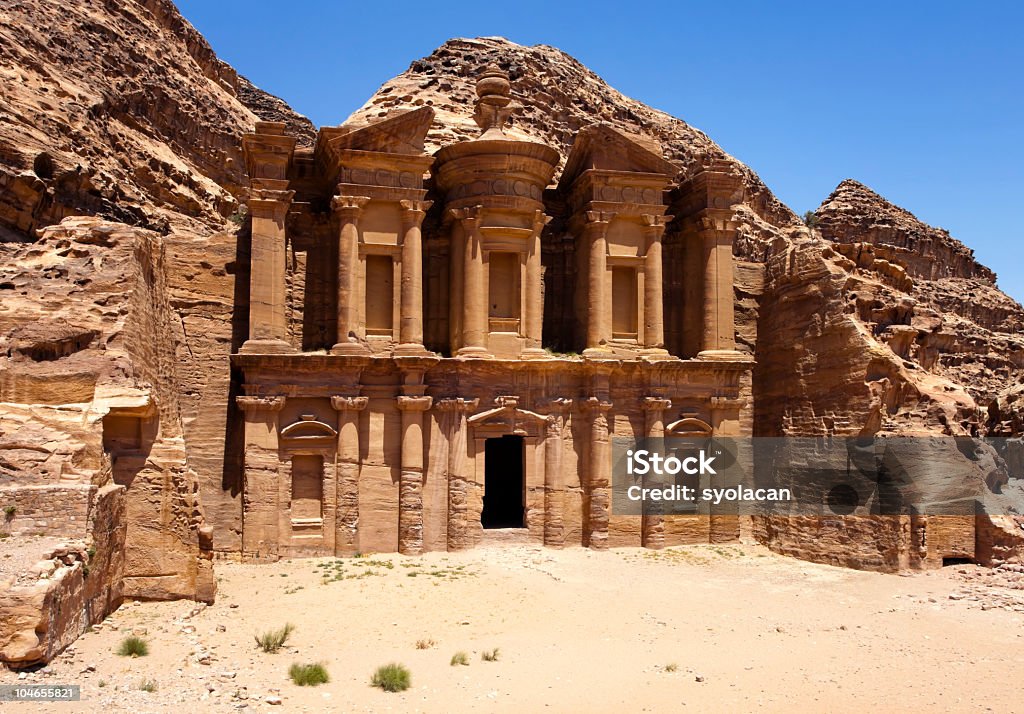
[119, 109]
[89, 394]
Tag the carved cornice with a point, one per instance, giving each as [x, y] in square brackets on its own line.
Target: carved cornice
[342, 403]
[414, 404]
[458, 405]
[349, 208]
[413, 212]
[558, 405]
[540, 219]
[270, 404]
[598, 218]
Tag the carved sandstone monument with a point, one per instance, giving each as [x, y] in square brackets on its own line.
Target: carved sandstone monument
[223, 333]
[427, 395]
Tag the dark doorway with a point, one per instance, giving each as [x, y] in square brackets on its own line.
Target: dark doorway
[504, 486]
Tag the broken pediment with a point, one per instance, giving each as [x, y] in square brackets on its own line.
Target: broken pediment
[398, 133]
[602, 147]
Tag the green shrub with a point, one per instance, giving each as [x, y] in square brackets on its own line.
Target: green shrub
[491, 656]
[273, 640]
[9, 511]
[133, 646]
[392, 678]
[460, 658]
[308, 675]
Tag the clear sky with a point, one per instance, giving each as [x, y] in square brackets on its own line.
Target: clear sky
[922, 101]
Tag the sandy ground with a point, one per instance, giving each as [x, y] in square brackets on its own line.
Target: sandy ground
[699, 628]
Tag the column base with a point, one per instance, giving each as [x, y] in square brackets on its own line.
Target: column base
[534, 353]
[266, 347]
[474, 353]
[411, 349]
[655, 354]
[350, 348]
[724, 356]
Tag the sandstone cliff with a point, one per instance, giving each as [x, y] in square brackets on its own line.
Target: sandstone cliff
[872, 322]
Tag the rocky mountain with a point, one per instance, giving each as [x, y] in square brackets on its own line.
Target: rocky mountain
[121, 171]
[119, 109]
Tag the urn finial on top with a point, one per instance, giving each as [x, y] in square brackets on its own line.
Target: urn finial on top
[494, 103]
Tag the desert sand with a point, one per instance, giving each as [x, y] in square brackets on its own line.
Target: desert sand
[696, 628]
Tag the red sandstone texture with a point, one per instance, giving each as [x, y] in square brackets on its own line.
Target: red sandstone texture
[869, 322]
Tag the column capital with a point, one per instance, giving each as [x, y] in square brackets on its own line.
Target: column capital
[414, 404]
[728, 402]
[595, 406]
[458, 405]
[253, 403]
[413, 212]
[540, 219]
[656, 403]
[469, 216]
[600, 219]
[558, 405]
[349, 207]
[655, 224]
[343, 403]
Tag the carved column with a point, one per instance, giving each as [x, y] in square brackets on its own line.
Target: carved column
[410, 489]
[652, 524]
[719, 322]
[654, 320]
[597, 278]
[554, 478]
[349, 209]
[534, 289]
[599, 478]
[474, 298]
[346, 528]
[260, 503]
[268, 329]
[410, 324]
[454, 413]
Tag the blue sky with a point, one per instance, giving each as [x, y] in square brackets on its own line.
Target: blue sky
[924, 102]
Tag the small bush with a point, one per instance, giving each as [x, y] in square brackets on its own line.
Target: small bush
[672, 667]
[811, 219]
[392, 678]
[460, 658]
[272, 640]
[133, 646]
[102, 683]
[9, 511]
[491, 656]
[425, 644]
[308, 675]
[147, 685]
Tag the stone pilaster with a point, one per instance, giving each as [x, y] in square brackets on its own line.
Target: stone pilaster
[269, 203]
[652, 523]
[346, 527]
[454, 412]
[599, 478]
[410, 323]
[554, 478]
[598, 319]
[654, 320]
[719, 335]
[534, 323]
[474, 298]
[410, 490]
[349, 209]
[260, 502]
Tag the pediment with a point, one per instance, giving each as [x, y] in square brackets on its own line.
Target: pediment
[308, 428]
[602, 147]
[401, 132]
